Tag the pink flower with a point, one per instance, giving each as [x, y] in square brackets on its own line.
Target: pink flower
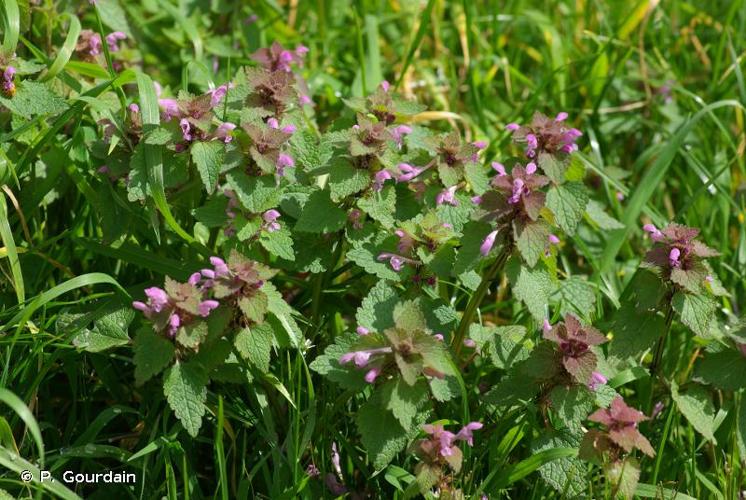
[399, 132]
[157, 298]
[304, 99]
[596, 380]
[476, 200]
[499, 168]
[273, 123]
[385, 85]
[221, 268]
[553, 239]
[284, 161]
[270, 217]
[512, 127]
[561, 116]
[174, 322]
[224, 131]
[470, 343]
[112, 40]
[289, 129]
[134, 108]
[655, 233]
[465, 434]
[379, 179]
[396, 261]
[372, 374]
[546, 326]
[217, 94]
[439, 336]
[94, 44]
[530, 168]
[488, 243]
[206, 306]
[169, 109]
[186, 129]
[479, 144]
[518, 190]
[443, 439]
[619, 196]
[673, 257]
[361, 330]
[408, 172]
[447, 196]
[195, 278]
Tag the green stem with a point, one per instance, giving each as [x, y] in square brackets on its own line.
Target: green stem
[476, 300]
[658, 354]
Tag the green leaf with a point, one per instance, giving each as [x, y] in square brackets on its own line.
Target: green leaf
[345, 180]
[309, 152]
[185, 387]
[109, 331]
[566, 475]
[409, 317]
[152, 354]
[532, 239]
[256, 194]
[380, 206]
[567, 202]
[725, 370]
[278, 243]
[468, 254]
[321, 215]
[212, 214]
[624, 475]
[403, 400]
[696, 405]
[254, 307]
[382, 434]
[505, 344]
[596, 213]
[578, 297]
[192, 334]
[208, 157]
[553, 167]
[33, 98]
[255, 345]
[532, 286]
[573, 404]
[695, 311]
[376, 310]
[476, 176]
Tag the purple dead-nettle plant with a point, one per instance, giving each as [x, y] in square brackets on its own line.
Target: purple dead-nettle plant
[574, 341]
[407, 350]
[268, 149]
[440, 455]
[516, 200]
[176, 305]
[679, 256]
[546, 135]
[240, 281]
[611, 446]
[620, 434]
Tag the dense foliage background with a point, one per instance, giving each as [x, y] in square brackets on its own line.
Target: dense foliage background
[315, 249]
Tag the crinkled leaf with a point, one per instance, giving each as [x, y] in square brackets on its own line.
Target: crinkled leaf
[725, 370]
[404, 400]
[255, 345]
[532, 240]
[278, 243]
[696, 405]
[208, 157]
[321, 215]
[380, 205]
[185, 387]
[532, 286]
[152, 354]
[567, 202]
[695, 311]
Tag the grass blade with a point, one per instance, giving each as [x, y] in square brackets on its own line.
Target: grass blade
[12, 20]
[25, 414]
[66, 51]
[6, 234]
[424, 23]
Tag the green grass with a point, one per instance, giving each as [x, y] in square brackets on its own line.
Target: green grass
[658, 92]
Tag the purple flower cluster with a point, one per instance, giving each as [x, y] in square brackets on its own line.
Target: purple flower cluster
[9, 86]
[676, 247]
[441, 446]
[277, 58]
[177, 305]
[546, 135]
[574, 341]
[621, 428]
[365, 358]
